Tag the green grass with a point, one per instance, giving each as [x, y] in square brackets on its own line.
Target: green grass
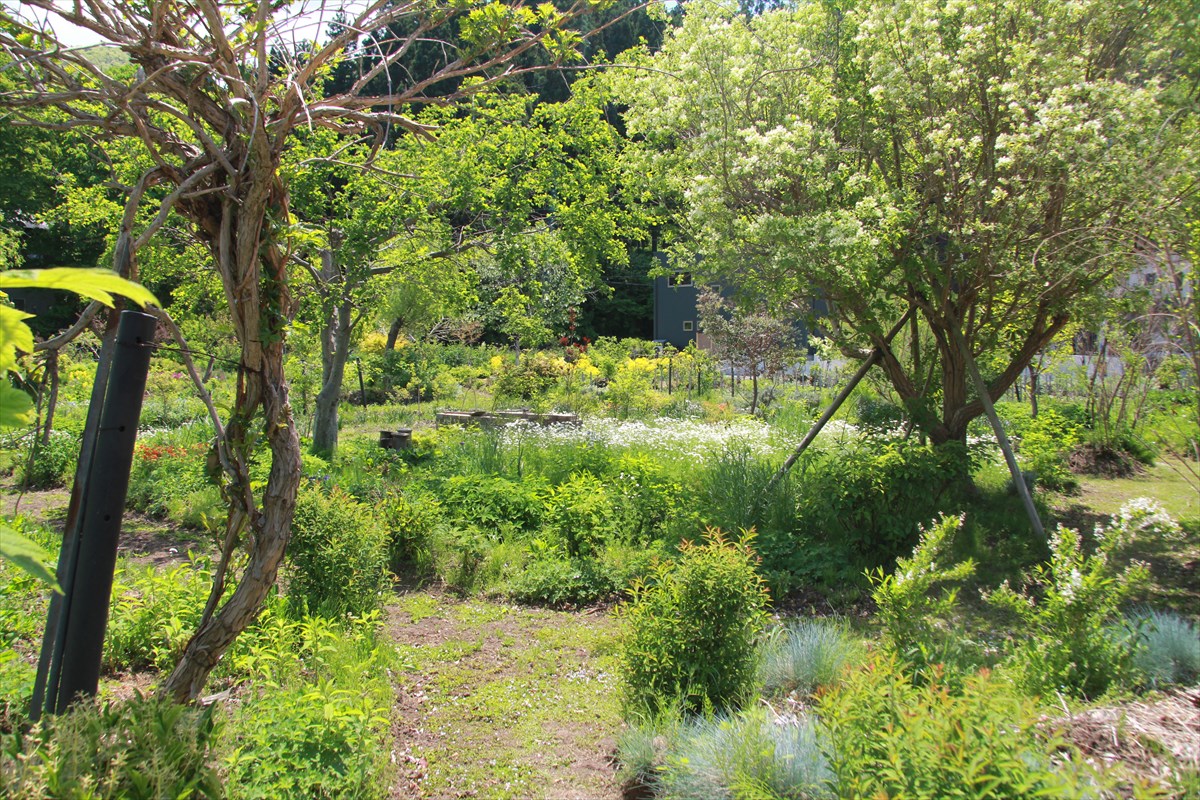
[1169, 482]
[513, 700]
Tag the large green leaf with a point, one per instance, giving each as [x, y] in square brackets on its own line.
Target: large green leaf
[16, 408]
[26, 555]
[14, 335]
[97, 284]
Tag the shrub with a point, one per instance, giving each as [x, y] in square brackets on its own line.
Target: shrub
[582, 515]
[410, 524]
[693, 627]
[1045, 441]
[316, 723]
[886, 736]
[534, 376]
[337, 555]
[169, 473]
[805, 656]
[1069, 643]
[51, 463]
[1168, 649]
[747, 755]
[139, 748]
[916, 621]
[500, 508]
[871, 497]
[647, 496]
[556, 581]
[153, 614]
[319, 741]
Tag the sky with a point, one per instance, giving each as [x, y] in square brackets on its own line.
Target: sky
[304, 19]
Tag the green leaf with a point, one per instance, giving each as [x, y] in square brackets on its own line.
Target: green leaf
[16, 408]
[97, 284]
[14, 335]
[26, 556]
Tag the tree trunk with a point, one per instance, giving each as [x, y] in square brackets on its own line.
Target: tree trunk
[393, 333]
[325, 418]
[754, 392]
[1033, 392]
[254, 275]
[51, 396]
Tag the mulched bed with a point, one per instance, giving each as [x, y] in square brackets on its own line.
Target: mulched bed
[1147, 739]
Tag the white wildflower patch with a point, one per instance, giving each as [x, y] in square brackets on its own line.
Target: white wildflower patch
[689, 438]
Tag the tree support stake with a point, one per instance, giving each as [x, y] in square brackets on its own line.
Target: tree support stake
[872, 359]
[69, 665]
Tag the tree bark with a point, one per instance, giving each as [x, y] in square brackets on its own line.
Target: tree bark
[254, 275]
[338, 330]
[51, 395]
[393, 333]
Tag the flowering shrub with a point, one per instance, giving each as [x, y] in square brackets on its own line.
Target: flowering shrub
[1071, 644]
[1142, 518]
[914, 618]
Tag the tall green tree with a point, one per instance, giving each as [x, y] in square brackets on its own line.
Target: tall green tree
[216, 104]
[504, 191]
[988, 163]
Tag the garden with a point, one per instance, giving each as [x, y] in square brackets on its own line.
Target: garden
[704, 400]
[566, 610]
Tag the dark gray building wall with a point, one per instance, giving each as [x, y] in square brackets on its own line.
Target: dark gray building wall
[674, 312]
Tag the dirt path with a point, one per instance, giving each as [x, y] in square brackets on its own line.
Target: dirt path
[502, 701]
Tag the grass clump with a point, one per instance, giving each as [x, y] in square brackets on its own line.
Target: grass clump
[805, 656]
[746, 755]
[1168, 649]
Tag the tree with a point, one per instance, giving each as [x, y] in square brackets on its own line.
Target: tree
[215, 104]
[755, 342]
[986, 163]
[522, 189]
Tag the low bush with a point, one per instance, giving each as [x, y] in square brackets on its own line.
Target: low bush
[870, 497]
[886, 736]
[410, 520]
[1044, 442]
[693, 627]
[50, 463]
[916, 619]
[559, 581]
[316, 723]
[170, 476]
[337, 556]
[139, 748]
[318, 741]
[499, 507]
[581, 515]
[153, 613]
[534, 376]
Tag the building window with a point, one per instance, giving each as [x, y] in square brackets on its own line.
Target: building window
[689, 326]
[682, 279]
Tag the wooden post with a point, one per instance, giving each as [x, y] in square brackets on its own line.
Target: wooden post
[837, 403]
[1001, 437]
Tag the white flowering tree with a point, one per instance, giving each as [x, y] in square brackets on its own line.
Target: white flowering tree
[987, 163]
